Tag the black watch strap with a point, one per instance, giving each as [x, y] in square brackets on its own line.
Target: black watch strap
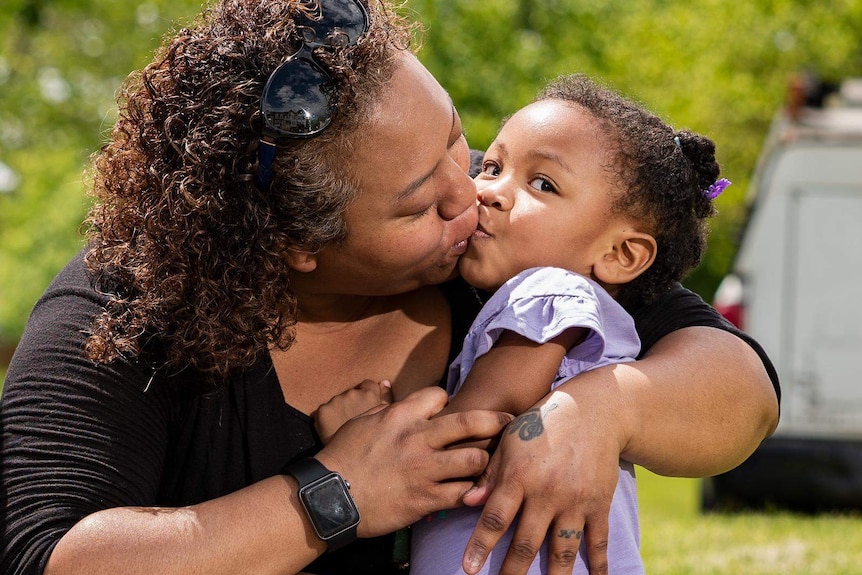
[310, 472]
[306, 471]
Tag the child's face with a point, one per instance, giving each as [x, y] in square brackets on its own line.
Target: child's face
[545, 197]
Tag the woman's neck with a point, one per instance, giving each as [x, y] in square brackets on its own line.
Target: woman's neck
[328, 310]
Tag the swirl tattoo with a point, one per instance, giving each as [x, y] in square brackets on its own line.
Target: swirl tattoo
[569, 533]
[528, 425]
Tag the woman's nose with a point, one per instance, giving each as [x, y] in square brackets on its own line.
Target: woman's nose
[460, 195]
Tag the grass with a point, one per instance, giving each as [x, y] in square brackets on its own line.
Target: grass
[676, 539]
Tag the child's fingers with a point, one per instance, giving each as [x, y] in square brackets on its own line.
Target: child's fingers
[385, 390]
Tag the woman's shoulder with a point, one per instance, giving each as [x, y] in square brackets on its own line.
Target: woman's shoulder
[75, 281]
[55, 337]
[679, 308]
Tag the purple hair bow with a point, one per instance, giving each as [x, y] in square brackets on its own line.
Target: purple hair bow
[715, 189]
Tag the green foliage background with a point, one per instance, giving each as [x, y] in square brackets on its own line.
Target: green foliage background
[716, 66]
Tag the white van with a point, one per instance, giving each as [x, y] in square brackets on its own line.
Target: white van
[796, 287]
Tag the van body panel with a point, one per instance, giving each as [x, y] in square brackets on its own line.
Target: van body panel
[800, 266]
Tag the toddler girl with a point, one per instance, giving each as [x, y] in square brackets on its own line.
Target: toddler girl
[587, 204]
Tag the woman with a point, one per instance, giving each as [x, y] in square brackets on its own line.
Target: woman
[269, 231]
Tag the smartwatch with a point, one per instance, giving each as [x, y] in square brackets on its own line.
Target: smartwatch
[325, 495]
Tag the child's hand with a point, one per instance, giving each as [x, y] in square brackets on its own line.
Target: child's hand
[345, 406]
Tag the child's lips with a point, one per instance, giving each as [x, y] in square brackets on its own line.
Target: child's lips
[481, 232]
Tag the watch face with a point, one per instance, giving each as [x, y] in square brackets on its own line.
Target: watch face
[330, 506]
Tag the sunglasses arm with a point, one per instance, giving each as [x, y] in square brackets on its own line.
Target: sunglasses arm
[265, 157]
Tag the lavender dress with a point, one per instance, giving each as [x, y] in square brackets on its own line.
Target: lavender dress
[539, 304]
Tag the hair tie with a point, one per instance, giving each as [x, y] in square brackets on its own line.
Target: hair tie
[678, 143]
[715, 189]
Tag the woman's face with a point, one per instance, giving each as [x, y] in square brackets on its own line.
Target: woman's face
[416, 208]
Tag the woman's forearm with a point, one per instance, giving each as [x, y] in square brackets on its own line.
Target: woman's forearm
[697, 404]
[263, 529]
[238, 533]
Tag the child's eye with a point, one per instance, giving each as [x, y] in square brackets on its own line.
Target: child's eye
[543, 185]
[490, 169]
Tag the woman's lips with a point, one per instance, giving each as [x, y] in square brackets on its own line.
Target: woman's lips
[460, 247]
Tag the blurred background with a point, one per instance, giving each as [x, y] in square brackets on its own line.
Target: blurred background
[719, 67]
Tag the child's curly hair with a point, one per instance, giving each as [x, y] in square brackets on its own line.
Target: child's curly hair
[189, 251]
[662, 176]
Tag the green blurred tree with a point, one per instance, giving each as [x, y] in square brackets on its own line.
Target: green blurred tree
[715, 66]
[60, 65]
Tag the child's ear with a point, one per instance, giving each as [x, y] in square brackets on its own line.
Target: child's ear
[630, 256]
[301, 261]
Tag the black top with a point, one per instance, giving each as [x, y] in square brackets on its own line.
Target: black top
[79, 436]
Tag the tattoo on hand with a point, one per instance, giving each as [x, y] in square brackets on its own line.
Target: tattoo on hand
[569, 533]
[528, 425]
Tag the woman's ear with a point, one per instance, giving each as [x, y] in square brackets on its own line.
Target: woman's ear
[630, 256]
[301, 261]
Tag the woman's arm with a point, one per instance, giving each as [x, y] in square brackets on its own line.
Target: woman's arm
[233, 534]
[701, 404]
[262, 528]
[698, 403]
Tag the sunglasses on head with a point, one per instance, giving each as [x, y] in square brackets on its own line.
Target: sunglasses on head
[297, 101]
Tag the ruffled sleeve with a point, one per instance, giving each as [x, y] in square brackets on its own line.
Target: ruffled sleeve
[540, 304]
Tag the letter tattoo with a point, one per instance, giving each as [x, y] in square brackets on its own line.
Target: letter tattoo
[528, 425]
[569, 533]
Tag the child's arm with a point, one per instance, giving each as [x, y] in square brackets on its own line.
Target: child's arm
[369, 394]
[515, 373]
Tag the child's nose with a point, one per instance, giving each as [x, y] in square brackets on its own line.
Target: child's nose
[495, 197]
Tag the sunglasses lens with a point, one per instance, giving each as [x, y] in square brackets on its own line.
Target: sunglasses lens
[341, 21]
[296, 100]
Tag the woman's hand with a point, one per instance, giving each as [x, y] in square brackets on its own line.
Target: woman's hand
[345, 406]
[395, 460]
[561, 475]
[399, 462]
[697, 404]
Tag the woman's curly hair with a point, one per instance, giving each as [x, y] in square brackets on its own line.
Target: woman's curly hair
[190, 252]
[662, 176]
